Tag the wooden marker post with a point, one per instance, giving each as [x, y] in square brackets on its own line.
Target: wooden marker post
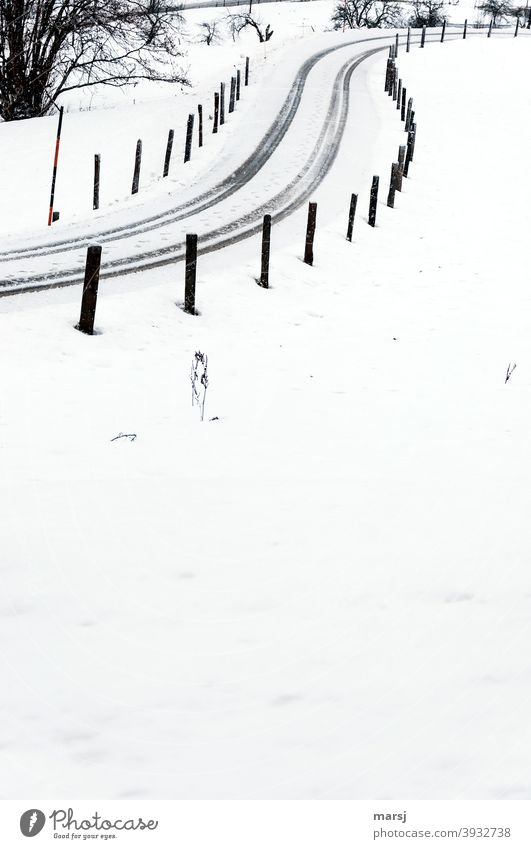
[90, 290]
[200, 125]
[401, 160]
[443, 30]
[96, 191]
[167, 157]
[423, 37]
[413, 139]
[55, 163]
[221, 103]
[189, 137]
[351, 216]
[408, 113]
[190, 273]
[392, 185]
[464, 28]
[216, 112]
[373, 201]
[310, 233]
[266, 251]
[246, 70]
[136, 172]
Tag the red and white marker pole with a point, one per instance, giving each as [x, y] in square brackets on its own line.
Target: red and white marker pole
[56, 158]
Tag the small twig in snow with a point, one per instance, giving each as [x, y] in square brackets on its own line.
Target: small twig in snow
[510, 368]
[199, 380]
[130, 436]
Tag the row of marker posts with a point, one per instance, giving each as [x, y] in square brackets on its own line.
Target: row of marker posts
[399, 169]
[219, 120]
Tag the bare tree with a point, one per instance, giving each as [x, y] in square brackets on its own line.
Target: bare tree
[209, 32]
[427, 13]
[352, 14]
[498, 10]
[237, 23]
[522, 14]
[48, 47]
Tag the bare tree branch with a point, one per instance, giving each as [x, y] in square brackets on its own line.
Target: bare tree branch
[48, 47]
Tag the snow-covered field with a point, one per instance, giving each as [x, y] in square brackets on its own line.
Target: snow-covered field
[322, 590]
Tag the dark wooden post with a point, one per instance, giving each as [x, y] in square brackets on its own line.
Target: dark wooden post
[396, 45]
[408, 39]
[387, 76]
[403, 106]
[395, 88]
[392, 185]
[189, 136]
[310, 233]
[246, 70]
[221, 103]
[408, 152]
[413, 139]
[238, 84]
[399, 94]
[232, 94]
[216, 112]
[443, 30]
[96, 192]
[423, 37]
[351, 216]
[490, 29]
[136, 172]
[408, 113]
[373, 201]
[167, 157]
[190, 273]
[391, 78]
[266, 250]
[90, 290]
[200, 125]
[464, 29]
[516, 28]
[401, 160]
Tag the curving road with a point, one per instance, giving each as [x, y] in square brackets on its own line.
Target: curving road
[22, 267]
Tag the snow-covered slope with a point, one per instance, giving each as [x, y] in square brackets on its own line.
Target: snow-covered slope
[322, 590]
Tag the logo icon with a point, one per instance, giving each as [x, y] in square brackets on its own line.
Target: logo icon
[32, 822]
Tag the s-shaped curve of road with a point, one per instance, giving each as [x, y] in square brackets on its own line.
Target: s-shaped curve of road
[291, 159]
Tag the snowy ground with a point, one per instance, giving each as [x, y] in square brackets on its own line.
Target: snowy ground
[322, 590]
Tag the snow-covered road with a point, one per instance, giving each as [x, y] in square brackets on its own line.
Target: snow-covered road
[278, 159]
